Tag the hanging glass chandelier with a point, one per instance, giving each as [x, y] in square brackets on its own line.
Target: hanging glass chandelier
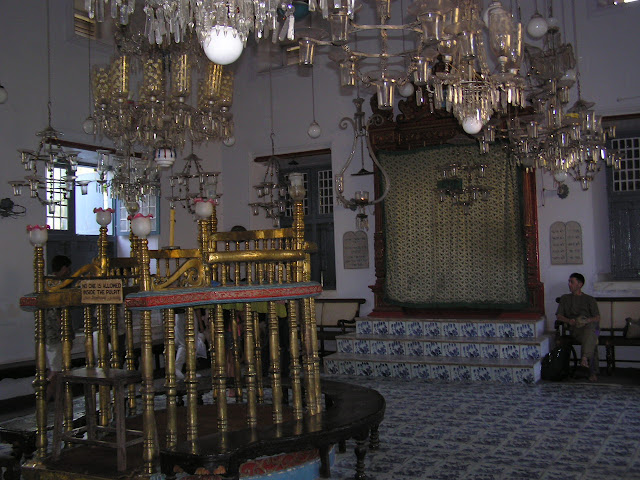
[360, 201]
[271, 192]
[133, 176]
[221, 26]
[163, 114]
[462, 183]
[193, 182]
[49, 158]
[448, 64]
[567, 142]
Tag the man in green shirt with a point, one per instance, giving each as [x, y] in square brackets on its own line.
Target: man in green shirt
[580, 312]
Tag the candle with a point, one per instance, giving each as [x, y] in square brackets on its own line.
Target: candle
[172, 223]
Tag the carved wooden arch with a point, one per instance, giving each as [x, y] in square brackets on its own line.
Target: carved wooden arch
[417, 127]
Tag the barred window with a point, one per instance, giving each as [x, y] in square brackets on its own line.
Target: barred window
[628, 177]
[149, 205]
[325, 192]
[58, 207]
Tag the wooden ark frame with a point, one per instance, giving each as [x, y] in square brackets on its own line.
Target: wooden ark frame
[417, 127]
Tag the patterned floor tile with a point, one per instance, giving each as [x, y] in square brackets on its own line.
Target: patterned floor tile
[548, 431]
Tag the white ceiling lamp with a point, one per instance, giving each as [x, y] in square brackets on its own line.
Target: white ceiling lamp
[223, 45]
[537, 26]
[314, 130]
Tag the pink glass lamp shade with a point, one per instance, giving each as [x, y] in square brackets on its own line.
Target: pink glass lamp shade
[38, 234]
[103, 216]
[203, 208]
[141, 225]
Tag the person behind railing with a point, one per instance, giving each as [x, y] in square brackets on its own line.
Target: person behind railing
[60, 268]
[580, 312]
[181, 349]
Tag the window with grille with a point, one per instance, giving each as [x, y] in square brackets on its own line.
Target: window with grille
[149, 205]
[72, 212]
[318, 212]
[623, 191]
[58, 208]
[325, 191]
[628, 177]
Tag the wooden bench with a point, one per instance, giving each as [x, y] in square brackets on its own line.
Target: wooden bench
[613, 329]
[335, 316]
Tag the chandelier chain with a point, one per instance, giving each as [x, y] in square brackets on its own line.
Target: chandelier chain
[575, 48]
[48, 65]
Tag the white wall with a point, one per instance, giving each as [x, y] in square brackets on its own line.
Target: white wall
[609, 66]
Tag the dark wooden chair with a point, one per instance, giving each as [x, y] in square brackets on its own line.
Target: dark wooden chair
[115, 378]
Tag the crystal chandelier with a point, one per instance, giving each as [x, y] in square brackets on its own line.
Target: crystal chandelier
[270, 192]
[448, 66]
[462, 184]
[193, 182]
[41, 164]
[161, 115]
[133, 176]
[360, 201]
[222, 26]
[567, 142]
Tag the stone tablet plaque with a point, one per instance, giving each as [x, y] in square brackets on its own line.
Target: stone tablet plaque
[355, 250]
[566, 243]
[574, 243]
[101, 291]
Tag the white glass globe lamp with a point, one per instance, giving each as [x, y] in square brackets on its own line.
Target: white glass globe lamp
[471, 125]
[406, 89]
[560, 176]
[537, 26]
[314, 130]
[89, 125]
[223, 45]
[229, 141]
[141, 225]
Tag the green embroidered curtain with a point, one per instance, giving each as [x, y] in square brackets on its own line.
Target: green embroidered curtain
[437, 257]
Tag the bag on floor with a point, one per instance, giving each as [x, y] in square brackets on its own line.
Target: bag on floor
[556, 364]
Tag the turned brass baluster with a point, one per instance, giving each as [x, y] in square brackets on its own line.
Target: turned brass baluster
[220, 379]
[212, 349]
[274, 370]
[103, 356]
[250, 355]
[40, 380]
[115, 347]
[147, 389]
[235, 351]
[258, 358]
[130, 357]
[65, 327]
[307, 360]
[315, 358]
[169, 319]
[90, 358]
[191, 381]
[295, 369]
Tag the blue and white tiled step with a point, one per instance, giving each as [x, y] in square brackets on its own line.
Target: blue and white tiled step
[448, 349]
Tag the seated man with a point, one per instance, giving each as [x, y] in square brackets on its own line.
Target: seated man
[580, 312]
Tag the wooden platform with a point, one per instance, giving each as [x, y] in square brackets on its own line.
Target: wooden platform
[350, 412]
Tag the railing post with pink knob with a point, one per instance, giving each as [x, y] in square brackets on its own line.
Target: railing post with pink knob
[38, 236]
